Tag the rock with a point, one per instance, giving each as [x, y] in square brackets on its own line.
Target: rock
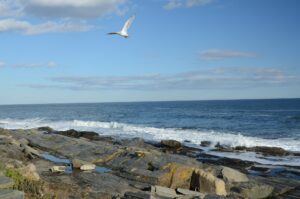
[223, 148]
[274, 151]
[205, 182]
[232, 175]
[163, 192]
[29, 172]
[171, 144]
[58, 169]
[138, 195]
[78, 134]
[23, 141]
[205, 143]
[29, 151]
[178, 176]
[188, 192]
[46, 128]
[141, 186]
[88, 167]
[253, 190]
[76, 163]
[5, 182]
[11, 194]
[140, 154]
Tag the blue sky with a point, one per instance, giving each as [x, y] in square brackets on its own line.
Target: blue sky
[57, 51]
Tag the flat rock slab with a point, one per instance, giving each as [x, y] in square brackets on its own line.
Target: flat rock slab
[11, 194]
[5, 182]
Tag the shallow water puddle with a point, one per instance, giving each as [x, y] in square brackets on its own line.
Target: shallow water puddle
[68, 164]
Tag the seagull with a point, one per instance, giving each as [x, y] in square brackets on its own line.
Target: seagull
[124, 31]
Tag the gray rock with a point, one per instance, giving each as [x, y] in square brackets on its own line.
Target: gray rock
[136, 195]
[190, 193]
[163, 192]
[171, 143]
[11, 194]
[58, 169]
[88, 167]
[205, 143]
[253, 190]
[232, 175]
[5, 182]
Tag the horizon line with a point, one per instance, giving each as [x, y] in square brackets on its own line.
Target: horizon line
[152, 101]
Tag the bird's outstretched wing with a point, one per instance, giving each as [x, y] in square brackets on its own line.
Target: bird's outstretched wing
[128, 24]
[112, 33]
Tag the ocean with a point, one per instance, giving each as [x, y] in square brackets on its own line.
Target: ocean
[273, 122]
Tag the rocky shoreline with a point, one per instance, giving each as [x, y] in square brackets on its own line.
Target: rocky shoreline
[44, 163]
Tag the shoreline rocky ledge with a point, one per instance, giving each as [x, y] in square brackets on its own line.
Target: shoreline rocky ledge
[44, 163]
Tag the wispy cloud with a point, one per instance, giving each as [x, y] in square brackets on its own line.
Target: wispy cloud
[2, 64]
[25, 27]
[218, 54]
[60, 15]
[234, 77]
[173, 4]
[61, 8]
[37, 65]
[50, 64]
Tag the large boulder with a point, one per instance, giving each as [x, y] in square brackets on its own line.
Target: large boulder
[206, 182]
[232, 175]
[177, 176]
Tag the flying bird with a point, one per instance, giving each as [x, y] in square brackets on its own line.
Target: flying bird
[124, 31]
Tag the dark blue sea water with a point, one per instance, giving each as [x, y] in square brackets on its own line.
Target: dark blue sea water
[232, 122]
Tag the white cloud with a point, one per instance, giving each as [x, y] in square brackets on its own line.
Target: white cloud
[63, 8]
[64, 15]
[2, 64]
[9, 8]
[50, 64]
[13, 25]
[218, 54]
[219, 78]
[172, 4]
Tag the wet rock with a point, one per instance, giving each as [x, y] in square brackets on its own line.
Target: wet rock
[11, 194]
[273, 151]
[79, 134]
[88, 167]
[58, 169]
[171, 144]
[5, 182]
[205, 143]
[253, 190]
[206, 182]
[232, 175]
[223, 148]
